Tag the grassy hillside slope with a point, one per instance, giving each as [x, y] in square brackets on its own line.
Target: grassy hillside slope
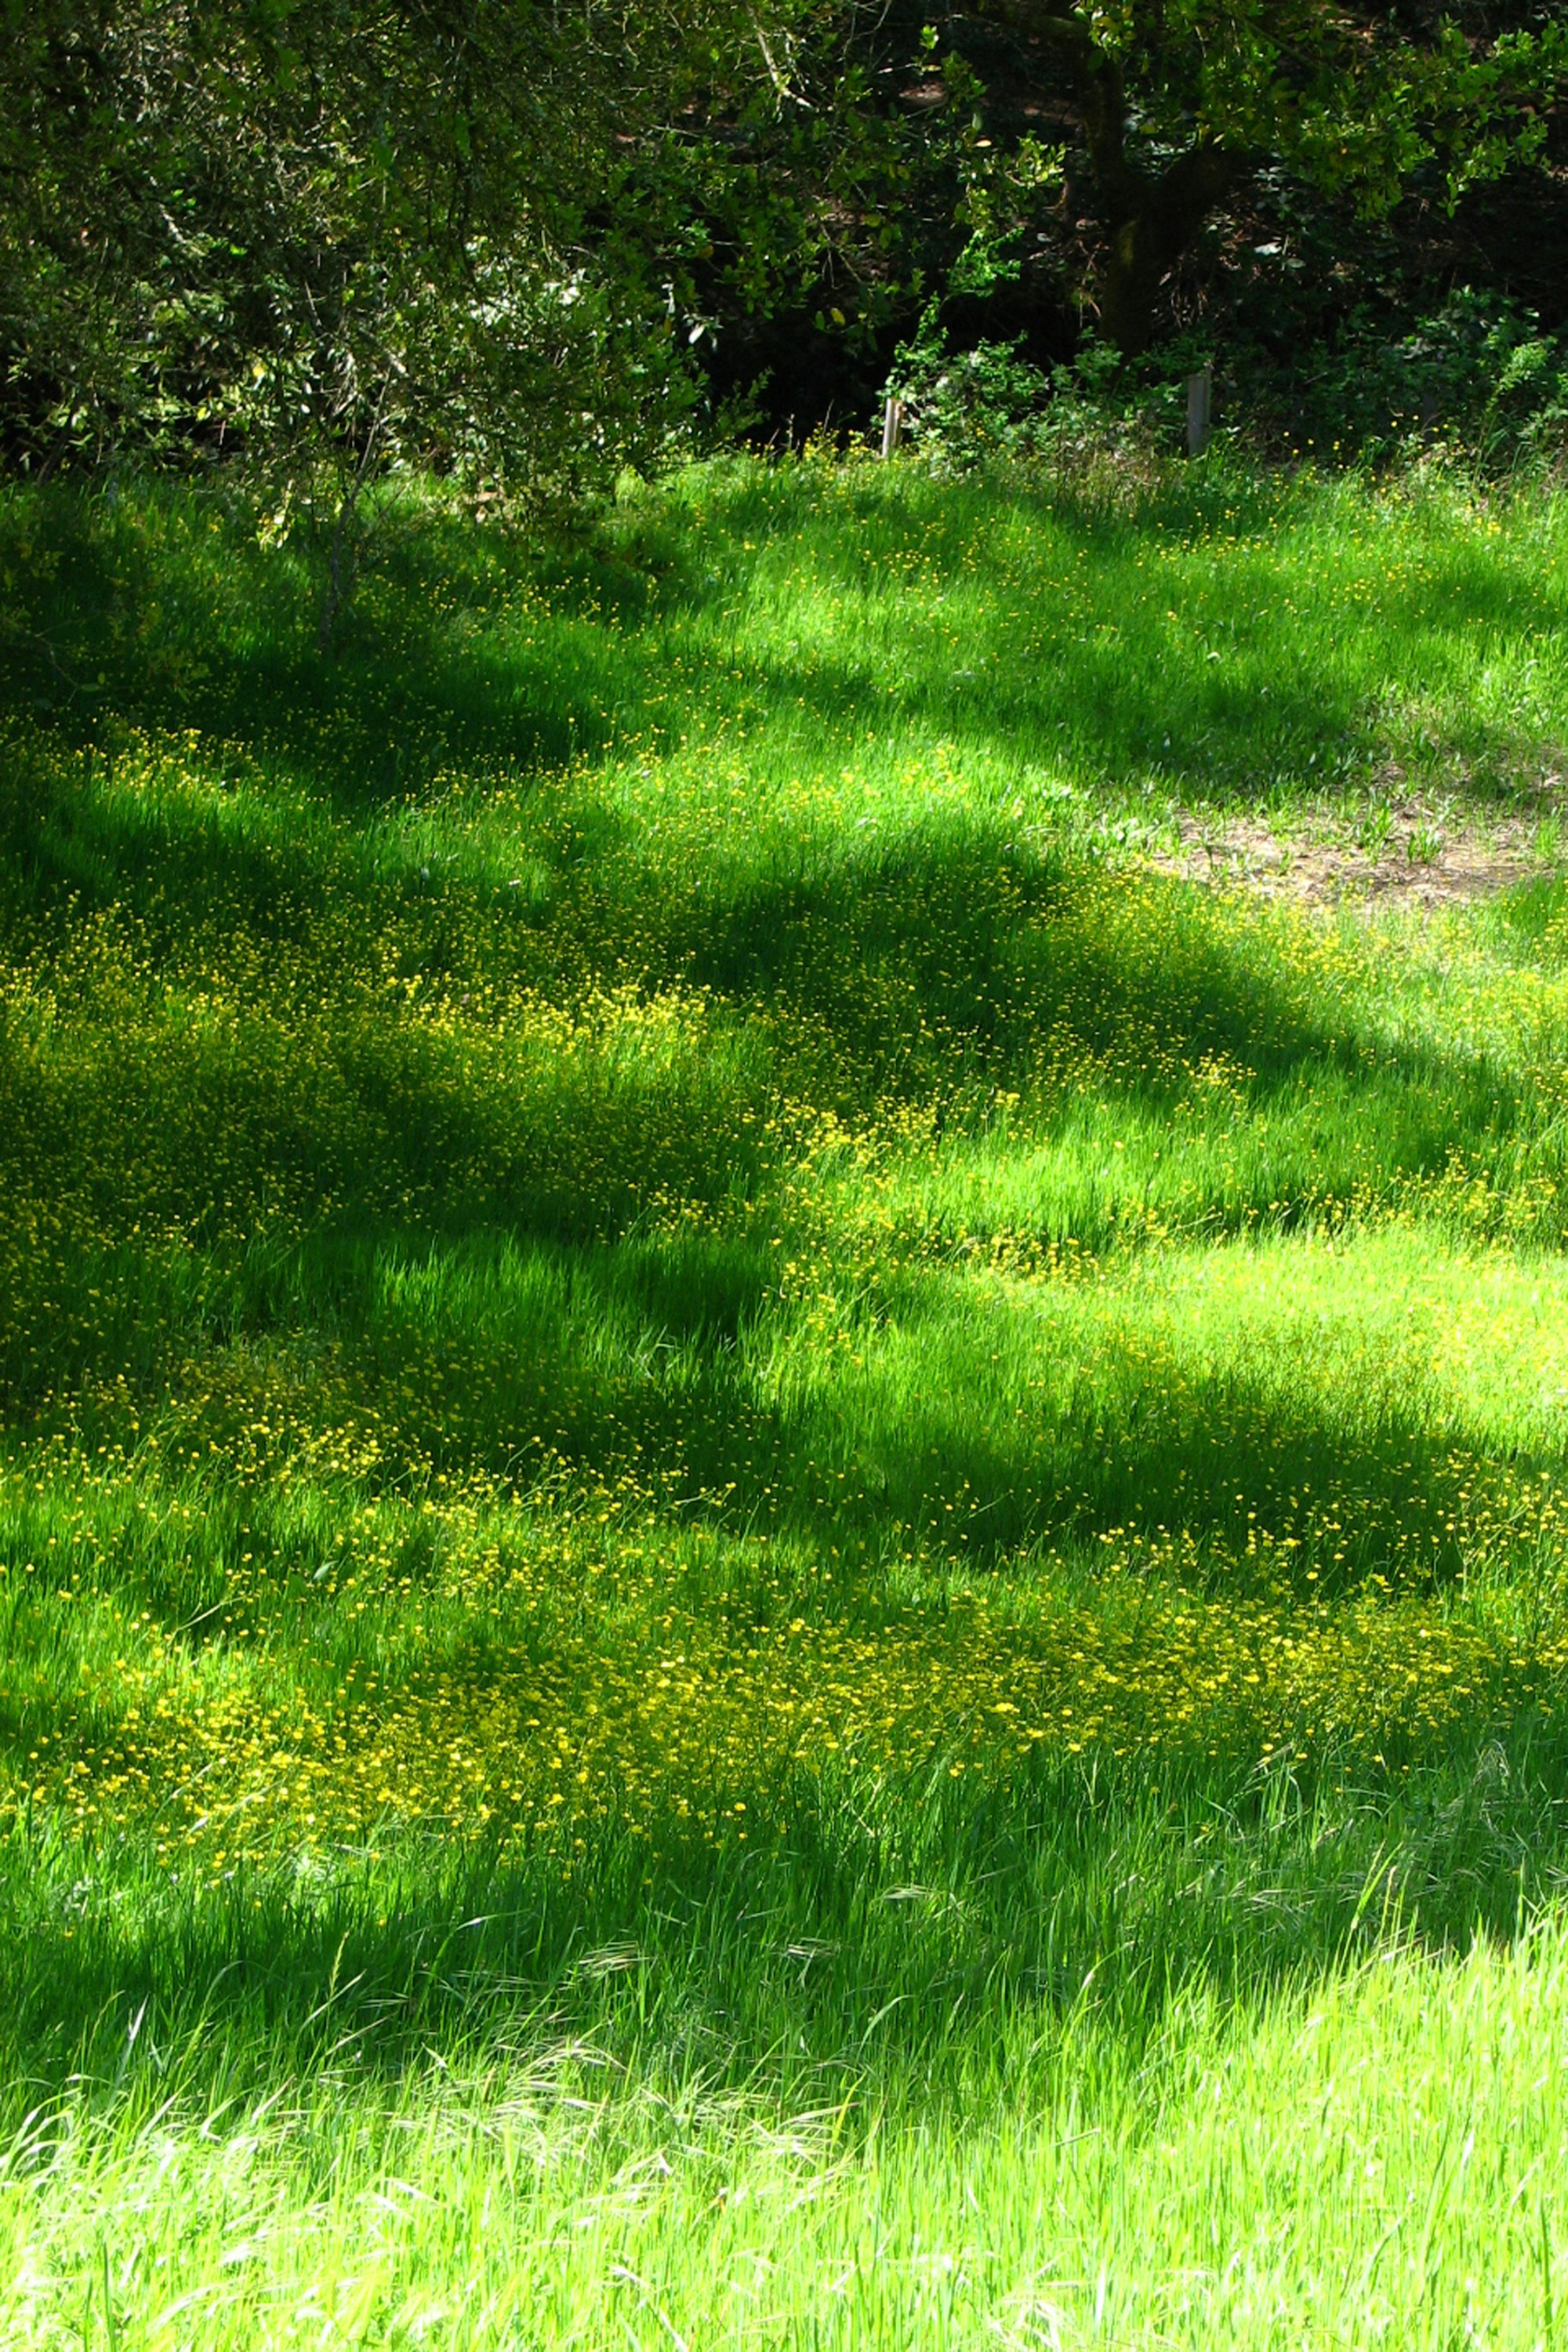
[784, 1546]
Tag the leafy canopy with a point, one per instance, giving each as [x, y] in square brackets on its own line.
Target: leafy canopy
[1175, 100]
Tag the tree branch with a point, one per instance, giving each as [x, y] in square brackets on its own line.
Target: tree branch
[1098, 87]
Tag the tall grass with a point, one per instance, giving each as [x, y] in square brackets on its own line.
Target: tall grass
[782, 1554]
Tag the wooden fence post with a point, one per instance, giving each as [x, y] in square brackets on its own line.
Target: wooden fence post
[1200, 409]
[892, 427]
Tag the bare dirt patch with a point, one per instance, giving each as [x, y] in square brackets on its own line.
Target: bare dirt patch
[1404, 855]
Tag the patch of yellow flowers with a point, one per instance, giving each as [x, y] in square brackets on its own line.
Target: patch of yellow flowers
[237, 1069]
[671, 1725]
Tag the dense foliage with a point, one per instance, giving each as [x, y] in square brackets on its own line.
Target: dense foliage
[529, 244]
[291, 231]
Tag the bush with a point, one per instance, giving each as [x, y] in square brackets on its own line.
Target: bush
[1475, 378]
[963, 408]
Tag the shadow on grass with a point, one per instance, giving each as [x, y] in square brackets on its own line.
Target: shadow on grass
[483, 1273]
[940, 1935]
[465, 655]
[931, 961]
[953, 1426]
[487, 1274]
[1217, 642]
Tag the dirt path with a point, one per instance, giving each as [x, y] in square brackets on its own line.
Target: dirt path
[1408, 857]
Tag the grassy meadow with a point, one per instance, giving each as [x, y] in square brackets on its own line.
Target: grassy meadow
[784, 1540]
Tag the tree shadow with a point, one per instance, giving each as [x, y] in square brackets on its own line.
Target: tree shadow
[980, 1918]
[1265, 673]
[466, 653]
[402, 1191]
[473, 654]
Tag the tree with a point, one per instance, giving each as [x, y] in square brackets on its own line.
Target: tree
[322, 237]
[1174, 101]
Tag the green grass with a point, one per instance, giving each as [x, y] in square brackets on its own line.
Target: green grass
[783, 1556]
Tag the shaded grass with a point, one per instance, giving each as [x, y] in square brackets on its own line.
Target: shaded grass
[742, 1490]
[497, 2124]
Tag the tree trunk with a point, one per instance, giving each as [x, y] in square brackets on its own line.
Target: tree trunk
[1130, 287]
[1150, 221]
[1147, 240]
